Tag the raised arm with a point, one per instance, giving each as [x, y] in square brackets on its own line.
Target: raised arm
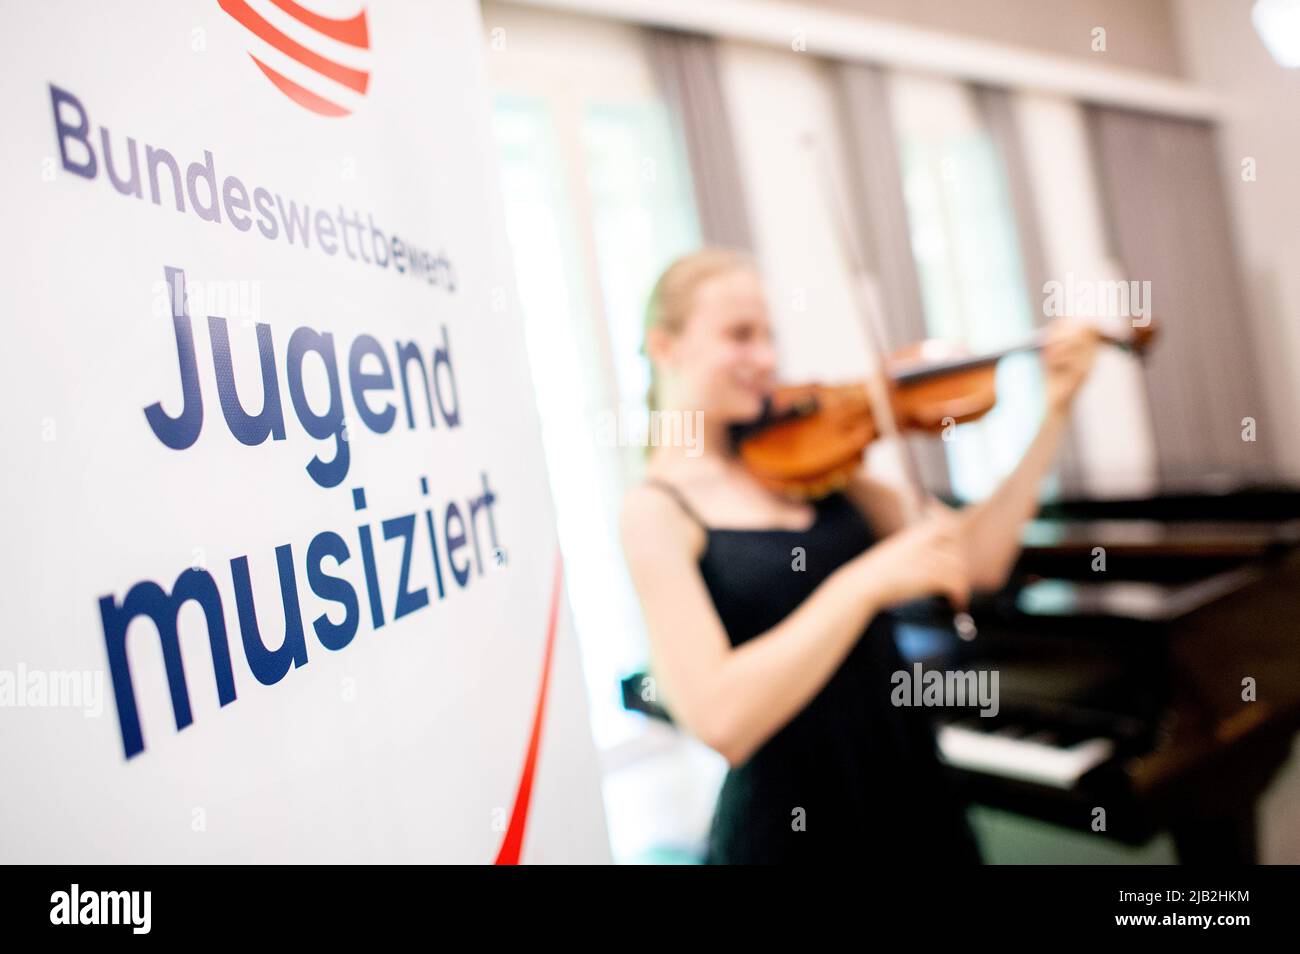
[735, 699]
[992, 528]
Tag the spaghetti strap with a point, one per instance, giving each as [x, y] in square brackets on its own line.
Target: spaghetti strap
[677, 495]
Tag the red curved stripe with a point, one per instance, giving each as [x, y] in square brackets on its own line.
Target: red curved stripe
[243, 13]
[353, 32]
[300, 95]
[513, 844]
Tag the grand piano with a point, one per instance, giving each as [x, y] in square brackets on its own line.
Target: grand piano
[1148, 660]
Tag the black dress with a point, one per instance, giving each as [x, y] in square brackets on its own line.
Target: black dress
[851, 778]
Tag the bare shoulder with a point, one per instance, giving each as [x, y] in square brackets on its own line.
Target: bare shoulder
[651, 522]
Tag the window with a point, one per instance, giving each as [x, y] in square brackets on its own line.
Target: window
[597, 203]
[643, 219]
[967, 255]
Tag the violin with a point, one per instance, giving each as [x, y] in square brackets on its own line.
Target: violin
[810, 438]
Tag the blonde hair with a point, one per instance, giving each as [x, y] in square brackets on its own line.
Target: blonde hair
[673, 296]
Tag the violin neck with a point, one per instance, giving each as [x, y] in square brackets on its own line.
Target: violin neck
[933, 369]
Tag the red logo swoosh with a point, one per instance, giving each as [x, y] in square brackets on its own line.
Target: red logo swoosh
[353, 32]
[513, 844]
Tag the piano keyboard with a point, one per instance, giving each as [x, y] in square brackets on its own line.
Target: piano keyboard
[1013, 751]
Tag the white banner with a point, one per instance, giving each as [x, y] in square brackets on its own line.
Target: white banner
[280, 575]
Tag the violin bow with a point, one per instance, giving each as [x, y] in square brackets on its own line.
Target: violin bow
[877, 389]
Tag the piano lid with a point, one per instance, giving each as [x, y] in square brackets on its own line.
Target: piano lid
[1129, 599]
[1158, 538]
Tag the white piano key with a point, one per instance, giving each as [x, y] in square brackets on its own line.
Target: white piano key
[1020, 759]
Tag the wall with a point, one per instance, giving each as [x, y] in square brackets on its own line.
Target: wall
[1139, 35]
